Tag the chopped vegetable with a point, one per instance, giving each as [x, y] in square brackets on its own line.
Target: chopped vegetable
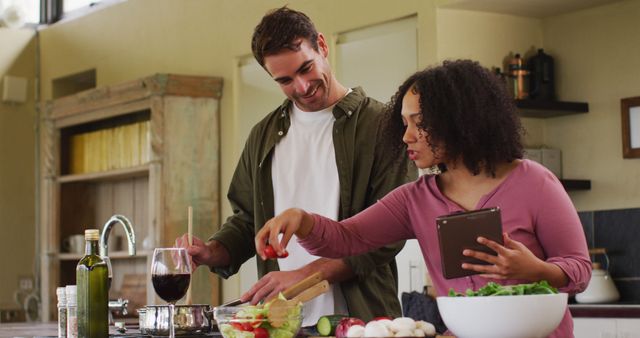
[495, 289]
[326, 325]
[253, 322]
[345, 324]
[398, 327]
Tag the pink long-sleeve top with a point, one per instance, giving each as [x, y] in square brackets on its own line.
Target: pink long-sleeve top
[536, 211]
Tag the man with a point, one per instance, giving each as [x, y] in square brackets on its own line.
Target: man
[319, 150]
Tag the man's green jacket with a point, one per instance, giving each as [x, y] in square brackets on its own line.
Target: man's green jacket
[365, 173]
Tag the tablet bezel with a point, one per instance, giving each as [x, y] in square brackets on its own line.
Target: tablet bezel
[460, 231]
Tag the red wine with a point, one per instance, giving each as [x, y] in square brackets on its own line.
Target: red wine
[171, 287]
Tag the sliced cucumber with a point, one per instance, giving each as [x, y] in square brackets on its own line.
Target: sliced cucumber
[326, 325]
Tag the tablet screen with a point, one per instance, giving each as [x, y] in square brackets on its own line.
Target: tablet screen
[460, 231]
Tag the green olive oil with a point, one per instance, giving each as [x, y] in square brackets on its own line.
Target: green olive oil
[93, 290]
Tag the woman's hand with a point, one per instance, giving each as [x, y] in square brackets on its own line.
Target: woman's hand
[514, 261]
[288, 222]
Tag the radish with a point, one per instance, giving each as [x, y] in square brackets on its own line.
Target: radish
[345, 324]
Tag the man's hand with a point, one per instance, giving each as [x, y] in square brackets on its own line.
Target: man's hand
[271, 284]
[211, 254]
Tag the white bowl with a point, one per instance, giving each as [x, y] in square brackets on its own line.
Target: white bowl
[526, 316]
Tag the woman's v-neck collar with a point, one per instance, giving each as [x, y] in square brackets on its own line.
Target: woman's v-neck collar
[482, 203]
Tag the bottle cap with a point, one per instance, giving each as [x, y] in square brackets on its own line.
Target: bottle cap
[71, 292]
[62, 296]
[92, 234]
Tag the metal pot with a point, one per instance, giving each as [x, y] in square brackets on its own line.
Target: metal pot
[188, 319]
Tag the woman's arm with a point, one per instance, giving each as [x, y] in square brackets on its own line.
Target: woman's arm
[289, 222]
[383, 223]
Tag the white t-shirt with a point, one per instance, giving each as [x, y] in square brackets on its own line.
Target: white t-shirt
[304, 175]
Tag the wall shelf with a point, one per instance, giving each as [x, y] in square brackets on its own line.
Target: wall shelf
[65, 256]
[570, 185]
[546, 109]
[111, 175]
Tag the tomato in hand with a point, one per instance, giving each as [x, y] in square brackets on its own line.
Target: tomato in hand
[272, 254]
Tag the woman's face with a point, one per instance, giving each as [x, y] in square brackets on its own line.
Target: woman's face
[418, 149]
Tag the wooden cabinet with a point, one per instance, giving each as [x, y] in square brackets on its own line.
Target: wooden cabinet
[150, 175]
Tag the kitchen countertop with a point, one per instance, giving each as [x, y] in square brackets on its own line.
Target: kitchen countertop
[50, 330]
[42, 330]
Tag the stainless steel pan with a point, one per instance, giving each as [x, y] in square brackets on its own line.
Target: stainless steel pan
[188, 319]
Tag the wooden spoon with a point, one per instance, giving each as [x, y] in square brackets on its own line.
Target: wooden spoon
[289, 292]
[302, 285]
[279, 308]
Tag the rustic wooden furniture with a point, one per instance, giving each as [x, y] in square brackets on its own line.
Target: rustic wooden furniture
[182, 171]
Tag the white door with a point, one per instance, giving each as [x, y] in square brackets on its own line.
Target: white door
[379, 58]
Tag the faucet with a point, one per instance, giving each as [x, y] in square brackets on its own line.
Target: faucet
[128, 229]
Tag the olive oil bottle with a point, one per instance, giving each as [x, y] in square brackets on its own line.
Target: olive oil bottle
[93, 290]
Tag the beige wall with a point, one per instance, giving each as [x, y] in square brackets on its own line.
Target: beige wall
[596, 63]
[17, 165]
[489, 38]
[142, 37]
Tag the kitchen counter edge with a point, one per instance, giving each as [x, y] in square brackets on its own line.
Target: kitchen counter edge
[605, 310]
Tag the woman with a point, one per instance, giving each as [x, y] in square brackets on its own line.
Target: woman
[458, 116]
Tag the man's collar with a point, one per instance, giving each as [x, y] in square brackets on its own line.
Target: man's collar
[345, 107]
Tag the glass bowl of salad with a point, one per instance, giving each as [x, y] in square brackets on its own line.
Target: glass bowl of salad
[495, 311]
[257, 321]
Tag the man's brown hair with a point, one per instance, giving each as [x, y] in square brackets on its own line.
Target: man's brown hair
[281, 29]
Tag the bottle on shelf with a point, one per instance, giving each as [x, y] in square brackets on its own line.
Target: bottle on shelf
[541, 77]
[517, 73]
[93, 290]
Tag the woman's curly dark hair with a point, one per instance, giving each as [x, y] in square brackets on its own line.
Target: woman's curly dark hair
[466, 113]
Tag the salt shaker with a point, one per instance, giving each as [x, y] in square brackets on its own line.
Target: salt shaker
[72, 314]
[62, 312]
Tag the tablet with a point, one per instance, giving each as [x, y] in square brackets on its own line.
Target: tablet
[460, 231]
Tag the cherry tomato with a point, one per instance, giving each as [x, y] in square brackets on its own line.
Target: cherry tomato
[237, 326]
[261, 332]
[270, 252]
[382, 318]
[246, 326]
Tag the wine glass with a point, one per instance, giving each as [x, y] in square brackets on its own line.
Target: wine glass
[170, 275]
